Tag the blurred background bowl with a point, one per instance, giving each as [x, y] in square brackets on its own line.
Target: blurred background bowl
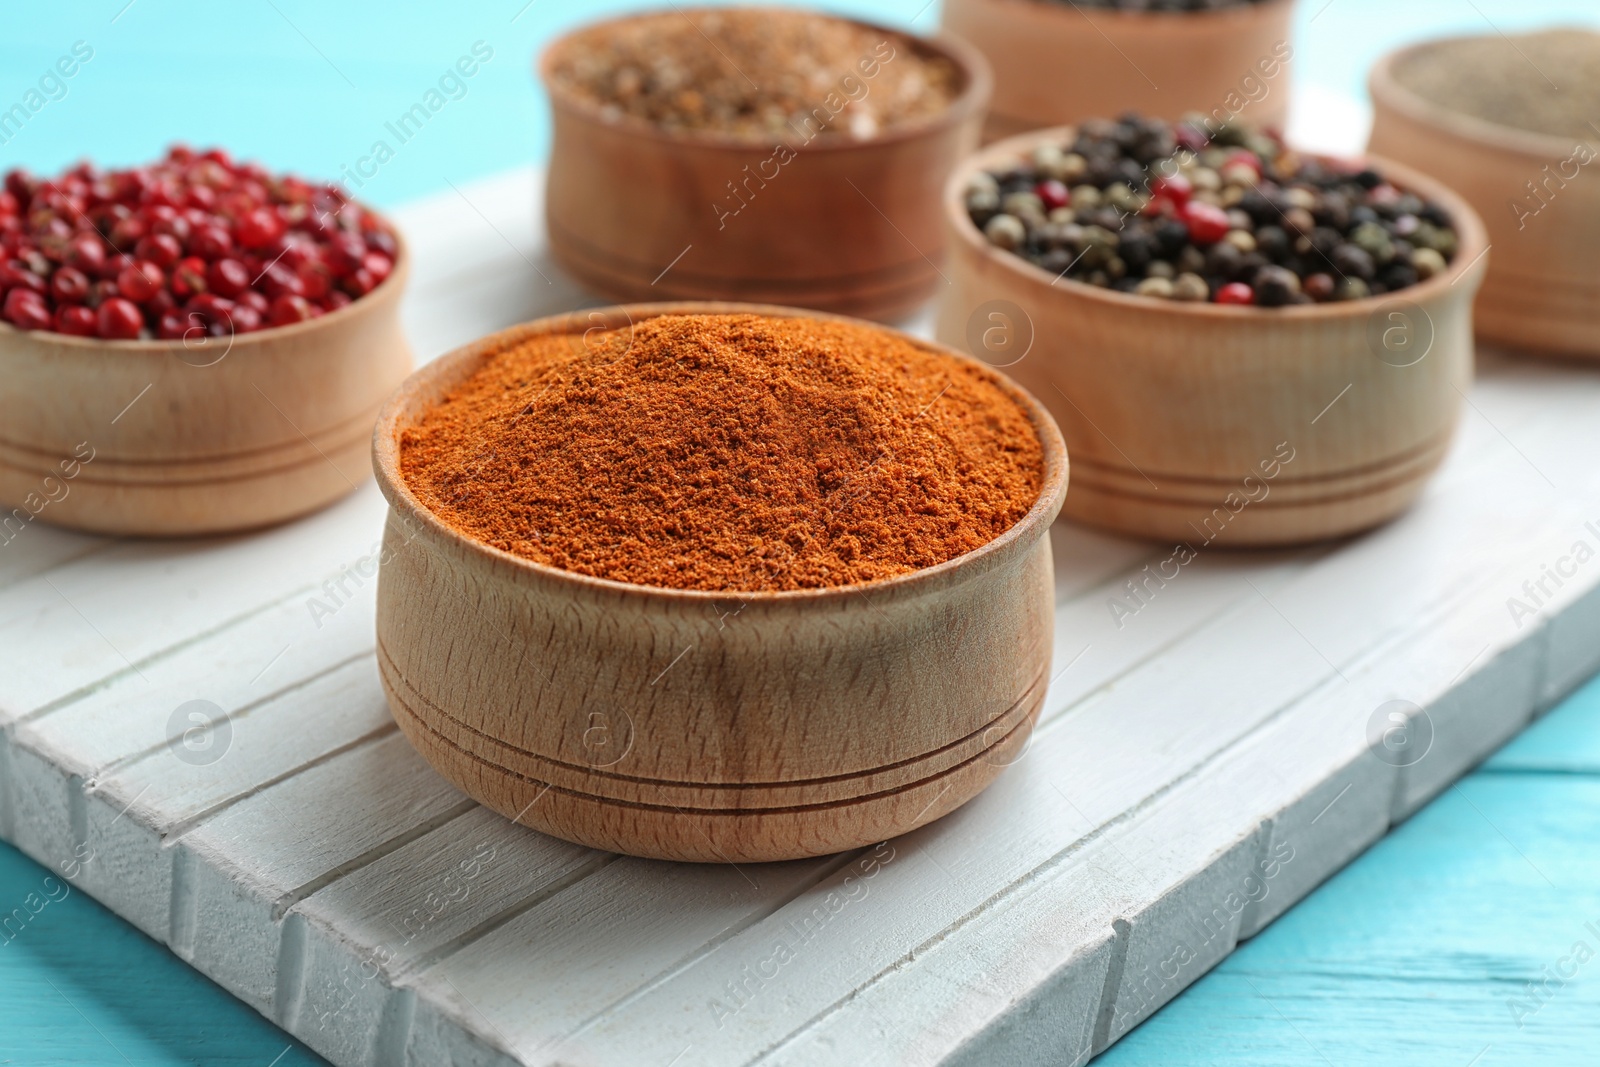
[846, 226]
[1057, 63]
[1543, 287]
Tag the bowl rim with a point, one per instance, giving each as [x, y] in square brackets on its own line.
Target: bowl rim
[453, 366]
[1388, 91]
[972, 100]
[386, 290]
[1472, 239]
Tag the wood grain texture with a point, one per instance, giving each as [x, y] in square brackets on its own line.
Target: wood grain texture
[713, 727]
[1229, 713]
[1057, 63]
[1200, 422]
[834, 224]
[1543, 287]
[201, 436]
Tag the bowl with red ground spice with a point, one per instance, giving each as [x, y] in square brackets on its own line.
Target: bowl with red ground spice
[1243, 345]
[716, 582]
[765, 154]
[192, 346]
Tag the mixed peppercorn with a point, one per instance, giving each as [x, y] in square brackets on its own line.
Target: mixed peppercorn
[1230, 216]
[194, 242]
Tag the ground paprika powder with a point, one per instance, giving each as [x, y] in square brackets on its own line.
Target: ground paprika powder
[727, 452]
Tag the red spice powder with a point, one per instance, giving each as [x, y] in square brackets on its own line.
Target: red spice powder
[728, 452]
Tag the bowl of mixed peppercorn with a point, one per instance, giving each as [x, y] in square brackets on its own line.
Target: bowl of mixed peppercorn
[191, 346]
[1243, 344]
[1060, 61]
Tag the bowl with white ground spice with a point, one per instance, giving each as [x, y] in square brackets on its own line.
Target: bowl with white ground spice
[1062, 61]
[762, 154]
[1510, 123]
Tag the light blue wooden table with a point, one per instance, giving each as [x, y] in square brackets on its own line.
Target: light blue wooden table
[1420, 953]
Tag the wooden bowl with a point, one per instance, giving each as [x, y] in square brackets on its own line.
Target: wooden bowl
[1543, 288]
[706, 726]
[169, 438]
[1055, 63]
[1204, 423]
[636, 213]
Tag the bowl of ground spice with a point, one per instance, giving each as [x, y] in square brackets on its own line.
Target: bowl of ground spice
[1509, 122]
[1243, 345]
[1063, 61]
[714, 582]
[759, 154]
[191, 346]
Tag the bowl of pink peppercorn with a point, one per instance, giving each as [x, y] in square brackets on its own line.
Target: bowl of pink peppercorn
[192, 346]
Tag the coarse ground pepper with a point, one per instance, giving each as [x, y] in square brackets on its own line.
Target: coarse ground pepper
[1545, 82]
[755, 73]
[728, 452]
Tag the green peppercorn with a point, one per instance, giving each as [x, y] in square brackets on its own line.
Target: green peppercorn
[1006, 231]
[1190, 287]
[1352, 289]
[1427, 263]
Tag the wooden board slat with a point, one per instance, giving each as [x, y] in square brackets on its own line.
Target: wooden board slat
[326, 876]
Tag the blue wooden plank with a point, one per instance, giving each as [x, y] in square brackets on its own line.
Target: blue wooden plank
[1473, 930]
[80, 986]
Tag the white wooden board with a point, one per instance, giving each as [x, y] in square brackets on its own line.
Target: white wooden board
[1197, 769]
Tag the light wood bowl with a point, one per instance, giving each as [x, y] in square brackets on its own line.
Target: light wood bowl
[1168, 407]
[196, 437]
[844, 226]
[1543, 288]
[717, 727]
[1055, 63]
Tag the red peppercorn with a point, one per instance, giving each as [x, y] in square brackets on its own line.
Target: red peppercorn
[127, 232]
[16, 275]
[1174, 191]
[77, 320]
[1243, 157]
[377, 264]
[213, 310]
[1053, 193]
[189, 278]
[87, 252]
[259, 228]
[287, 310]
[1207, 223]
[247, 319]
[100, 292]
[1236, 293]
[257, 300]
[162, 249]
[69, 285]
[26, 310]
[315, 281]
[227, 277]
[119, 320]
[140, 281]
[210, 242]
[360, 283]
[174, 325]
